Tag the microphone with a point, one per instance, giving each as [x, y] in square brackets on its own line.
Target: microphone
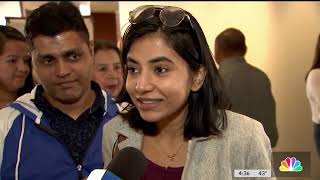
[128, 164]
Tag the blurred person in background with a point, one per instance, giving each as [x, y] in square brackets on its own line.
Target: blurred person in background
[313, 93]
[247, 87]
[108, 70]
[15, 65]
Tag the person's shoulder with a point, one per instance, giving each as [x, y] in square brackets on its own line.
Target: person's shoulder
[241, 125]
[7, 112]
[257, 70]
[244, 132]
[8, 115]
[240, 137]
[315, 72]
[117, 123]
[257, 75]
[314, 77]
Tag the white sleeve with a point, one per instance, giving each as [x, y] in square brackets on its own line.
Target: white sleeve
[7, 117]
[313, 94]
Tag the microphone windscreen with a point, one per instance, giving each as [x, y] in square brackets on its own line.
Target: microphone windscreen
[128, 164]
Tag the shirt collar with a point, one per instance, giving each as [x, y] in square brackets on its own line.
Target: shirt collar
[232, 60]
[98, 103]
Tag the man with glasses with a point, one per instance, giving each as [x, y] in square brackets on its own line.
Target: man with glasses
[55, 131]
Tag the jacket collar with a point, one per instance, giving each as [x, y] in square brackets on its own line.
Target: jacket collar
[232, 60]
[134, 137]
[26, 105]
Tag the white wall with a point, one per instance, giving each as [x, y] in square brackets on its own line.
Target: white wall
[281, 38]
[10, 8]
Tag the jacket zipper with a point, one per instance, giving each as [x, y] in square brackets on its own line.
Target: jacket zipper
[77, 166]
[51, 133]
[92, 139]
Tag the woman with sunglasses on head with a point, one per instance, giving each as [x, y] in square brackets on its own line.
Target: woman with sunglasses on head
[177, 113]
[14, 65]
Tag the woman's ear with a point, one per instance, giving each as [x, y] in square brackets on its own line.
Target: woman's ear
[198, 78]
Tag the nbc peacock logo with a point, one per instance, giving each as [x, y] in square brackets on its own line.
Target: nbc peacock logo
[290, 164]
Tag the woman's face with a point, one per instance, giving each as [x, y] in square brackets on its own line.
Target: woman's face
[108, 71]
[159, 80]
[14, 65]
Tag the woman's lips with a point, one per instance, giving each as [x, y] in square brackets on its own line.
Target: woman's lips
[148, 104]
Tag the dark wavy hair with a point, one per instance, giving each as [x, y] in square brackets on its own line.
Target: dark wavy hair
[316, 59]
[53, 18]
[206, 115]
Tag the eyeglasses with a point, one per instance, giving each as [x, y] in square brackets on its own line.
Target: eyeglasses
[169, 16]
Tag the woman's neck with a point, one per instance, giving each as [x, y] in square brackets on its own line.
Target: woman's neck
[172, 129]
[169, 147]
[6, 97]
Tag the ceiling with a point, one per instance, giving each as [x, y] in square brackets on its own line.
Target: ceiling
[96, 6]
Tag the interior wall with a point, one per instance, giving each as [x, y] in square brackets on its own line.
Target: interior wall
[281, 38]
[10, 8]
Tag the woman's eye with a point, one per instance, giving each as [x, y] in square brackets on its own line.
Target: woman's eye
[117, 67]
[102, 69]
[160, 70]
[132, 70]
[12, 61]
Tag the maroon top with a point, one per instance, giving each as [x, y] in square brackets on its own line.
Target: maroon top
[156, 172]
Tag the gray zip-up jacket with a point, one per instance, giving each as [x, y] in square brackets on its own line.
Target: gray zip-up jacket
[243, 145]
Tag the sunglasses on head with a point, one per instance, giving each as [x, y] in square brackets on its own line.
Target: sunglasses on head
[169, 16]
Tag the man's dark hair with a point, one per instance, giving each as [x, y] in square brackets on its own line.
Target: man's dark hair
[8, 33]
[206, 115]
[232, 41]
[54, 18]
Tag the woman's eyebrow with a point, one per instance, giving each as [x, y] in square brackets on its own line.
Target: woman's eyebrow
[152, 61]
